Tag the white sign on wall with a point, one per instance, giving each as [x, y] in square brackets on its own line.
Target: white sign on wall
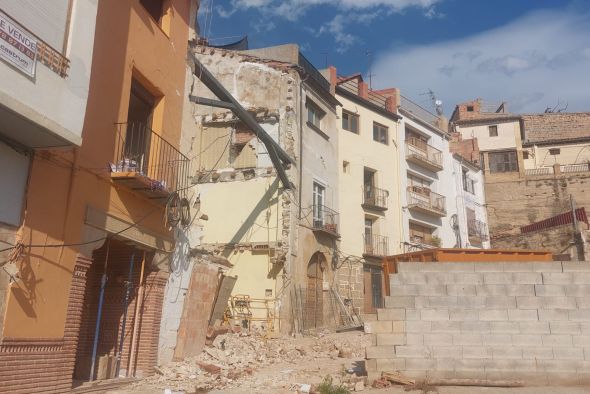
[17, 46]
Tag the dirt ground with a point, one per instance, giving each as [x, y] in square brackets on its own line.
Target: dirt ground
[247, 363]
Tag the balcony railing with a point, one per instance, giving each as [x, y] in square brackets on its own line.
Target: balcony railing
[148, 163]
[419, 112]
[477, 230]
[375, 245]
[375, 198]
[325, 220]
[421, 153]
[427, 201]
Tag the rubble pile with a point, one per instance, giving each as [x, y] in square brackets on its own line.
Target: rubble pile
[233, 357]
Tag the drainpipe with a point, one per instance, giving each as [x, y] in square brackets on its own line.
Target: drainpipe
[103, 283]
[128, 286]
[138, 302]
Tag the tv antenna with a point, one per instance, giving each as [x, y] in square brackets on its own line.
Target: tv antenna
[369, 55]
[436, 103]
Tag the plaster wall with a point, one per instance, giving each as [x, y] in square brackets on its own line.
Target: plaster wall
[508, 135]
[572, 153]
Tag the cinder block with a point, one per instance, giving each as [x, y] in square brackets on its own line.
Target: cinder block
[583, 302]
[575, 266]
[506, 352]
[581, 278]
[469, 364]
[537, 353]
[474, 302]
[476, 326]
[568, 353]
[493, 315]
[431, 290]
[549, 290]
[496, 340]
[439, 278]
[487, 267]
[445, 364]
[580, 315]
[527, 340]
[391, 314]
[390, 339]
[500, 302]
[557, 340]
[380, 352]
[420, 364]
[438, 339]
[412, 278]
[390, 364]
[553, 278]
[441, 302]
[455, 352]
[547, 267]
[587, 353]
[412, 351]
[412, 314]
[520, 290]
[418, 326]
[534, 327]
[581, 340]
[528, 278]
[400, 302]
[565, 327]
[577, 290]
[398, 327]
[461, 290]
[529, 302]
[518, 267]
[523, 315]
[553, 314]
[559, 302]
[491, 290]
[446, 326]
[478, 352]
[375, 327]
[371, 365]
[467, 339]
[434, 314]
[404, 290]
[497, 278]
[468, 278]
[504, 327]
[415, 339]
[463, 314]
[555, 365]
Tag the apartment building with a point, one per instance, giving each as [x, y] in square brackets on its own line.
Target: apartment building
[93, 249]
[279, 232]
[369, 191]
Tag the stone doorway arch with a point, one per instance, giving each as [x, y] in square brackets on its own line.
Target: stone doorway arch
[314, 300]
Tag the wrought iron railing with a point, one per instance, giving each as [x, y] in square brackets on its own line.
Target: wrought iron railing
[325, 219]
[375, 197]
[421, 150]
[140, 150]
[425, 198]
[376, 245]
[419, 111]
[477, 228]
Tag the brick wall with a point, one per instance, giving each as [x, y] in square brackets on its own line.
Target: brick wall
[556, 126]
[45, 365]
[468, 149]
[527, 322]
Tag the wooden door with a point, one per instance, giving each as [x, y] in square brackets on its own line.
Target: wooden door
[314, 300]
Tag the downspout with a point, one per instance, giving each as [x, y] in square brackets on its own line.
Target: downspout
[103, 283]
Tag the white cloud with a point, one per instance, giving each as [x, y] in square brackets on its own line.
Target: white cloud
[531, 62]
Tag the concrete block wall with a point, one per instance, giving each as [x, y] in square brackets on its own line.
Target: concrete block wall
[528, 322]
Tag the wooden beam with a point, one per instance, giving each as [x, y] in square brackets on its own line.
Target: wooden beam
[211, 103]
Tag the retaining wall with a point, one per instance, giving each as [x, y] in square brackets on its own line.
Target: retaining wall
[527, 322]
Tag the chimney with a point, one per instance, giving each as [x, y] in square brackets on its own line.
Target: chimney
[333, 79]
[363, 89]
[392, 101]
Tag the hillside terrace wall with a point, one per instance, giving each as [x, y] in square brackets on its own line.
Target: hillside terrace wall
[526, 322]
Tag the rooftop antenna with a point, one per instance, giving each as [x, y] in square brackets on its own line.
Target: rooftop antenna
[436, 103]
[369, 54]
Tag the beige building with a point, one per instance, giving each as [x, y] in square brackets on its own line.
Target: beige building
[369, 188]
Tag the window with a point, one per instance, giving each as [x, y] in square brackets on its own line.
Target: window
[470, 216]
[350, 122]
[319, 196]
[418, 185]
[420, 234]
[468, 183]
[554, 151]
[470, 108]
[314, 114]
[368, 230]
[139, 123]
[155, 8]
[503, 161]
[417, 140]
[380, 133]
[345, 166]
[525, 154]
[493, 131]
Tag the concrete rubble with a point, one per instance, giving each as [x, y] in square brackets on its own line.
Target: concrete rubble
[232, 359]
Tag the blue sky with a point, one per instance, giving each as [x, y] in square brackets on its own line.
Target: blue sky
[531, 53]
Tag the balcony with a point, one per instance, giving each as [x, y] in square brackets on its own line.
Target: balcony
[375, 245]
[375, 198]
[325, 221]
[422, 154]
[146, 163]
[422, 199]
[477, 231]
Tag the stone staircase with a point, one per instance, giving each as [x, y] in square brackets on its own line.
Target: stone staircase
[526, 322]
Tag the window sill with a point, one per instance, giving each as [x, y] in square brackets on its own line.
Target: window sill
[317, 130]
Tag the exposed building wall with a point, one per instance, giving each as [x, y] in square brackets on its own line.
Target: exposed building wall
[508, 134]
[556, 126]
[519, 321]
[569, 153]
